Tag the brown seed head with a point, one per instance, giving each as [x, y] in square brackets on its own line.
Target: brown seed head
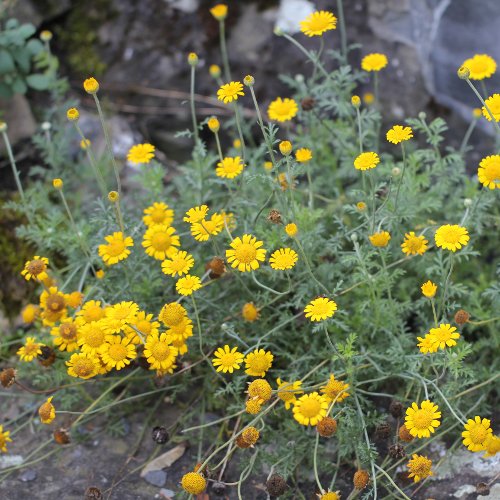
[276, 485]
[396, 409]
[35, 267]
[327, 427]
[482, 489]
[216, 266]
[61, 436]
[93, 493]
[160, 435]
[461, 317]
[360, 479]
[47, 357]
[55, 302]
[397, 451]
[404, 434]
[383, 431]
[274, 217]
[308, 103]
[7, 377]
[241, 443]
[250, 435]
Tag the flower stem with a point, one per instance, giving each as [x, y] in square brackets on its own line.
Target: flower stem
[223, 49]
[343, 34]
[219, 149]
[445, 289]
[465, 140]
[401, 178]
[360, 137]
[191, 101]
[240, 132]
[392, 482]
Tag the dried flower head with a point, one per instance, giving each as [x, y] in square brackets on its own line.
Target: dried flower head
[260, 388]
[461, 317]
[7, 377]
[276, 485]
[327, 427]
[361, 479]
[216, 266]
[62, 436]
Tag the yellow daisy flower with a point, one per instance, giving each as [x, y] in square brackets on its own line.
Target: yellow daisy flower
[179, 343]
[36, 269]
[179, 263]
[429, 289]
[413, 244]
[426, 344]
[419, 467]
[310, 409]
[196, 214]
[258, 362]
[172, 314]
[366, 161]
[481, 66]
[219, 11]
[287, 391]
[476, 433]
[320, 309]
[116, 248]
[488, 172]
[91, 337]
[283, 258]
[146, 326]
[491, 446]
[30, 313]
[182, 330]
[493, 103]
[318, 23]
[227, 359]
[398, 134]
[444, 335]
[47, 411]
[90, 311]
[451, 237]
[203, 230]
[4, 439]
[229, 167]
[158, 213]
[91, 85]
[335, 390]
[117, 352]
[74, 299]
[291, 230]
[30, 350]
[66, 335]
[374, 62]
[282, 110]
[380, 239]
[193, 483]
[245, 253]
[83, 365]
[230, 92]
[160, 241]
[303, 155]
[329, 495]
[188, 284]
[141, 153]
[423, 421]
[260, 389]
[160, 353]
[250, 313]
[119, 315]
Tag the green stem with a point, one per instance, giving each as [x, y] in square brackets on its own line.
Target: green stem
[191, 101]
[401, 178]
[401, 492]
[307, 54]
[360, 136]
[343, 34]
[306, 260]
[240, 132]
[219, 149]
[119, 216]
[315, 462]
[465, 140]
[223, 49]
[445, 289]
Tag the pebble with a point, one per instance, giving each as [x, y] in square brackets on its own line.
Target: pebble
[156, 477]
[28, 475]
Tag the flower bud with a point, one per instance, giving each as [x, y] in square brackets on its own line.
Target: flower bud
[58, 184]
[249, 80]
[467, 202]
[213, 124]
[396, 171]
[214, 71]
[113, 196]
[285, 147]
[219, 11]
[463, 72]
[46, 126]
[3, 126]
[193, 59]
[91, 85]
[46, 36]
[356, 101]
[72, 114]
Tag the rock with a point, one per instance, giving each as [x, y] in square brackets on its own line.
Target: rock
[156, 477]
[164, 493]
[291, 12]
[7, 461]
[28, 475]
[187, 6]
[19, 118]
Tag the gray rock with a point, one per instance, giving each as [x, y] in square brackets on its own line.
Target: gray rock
[7, 461]
[28, 475]
[164, 493]
[156, 477]
[19, 118]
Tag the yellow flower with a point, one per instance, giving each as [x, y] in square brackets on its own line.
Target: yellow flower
[214, 70]
[285, 147]
[193, 483]
[196, 214]
[120, 315]
[91, 85]
[201, 231]
[30, 313]
[179, 263]
[426, 344]
[356, 101]
[419, 467]
[219, 11]
[282, 110]
[287, 392]
[160, 241]
[72, 114]
[491, 446]
[361, 206]
[310, 409]
[283, 258]
[335, 390]
[367, 160]
[423, 421]
[303, 155]
[237, 144]
[141, 153]
[230, 92]
[188, 284]
[368, 98]
[192, 59]
[476, 433]
[92, 336]
[283, 180]
[444, 335]
[489, 172]
[260, 389]
[374, 62]
[172, 314]
[158, 213]
[380, 239]
[83, 366]
[45, 36]
[57, 184]
[183, 330]
[451, 237]
[47, 412]
[90, 311]
[317, 23]
[160, 353]
[249, 312]
[493, 103]
[481, 66]
[245, 253]
[116, 248]
[85, 144]
[66, 335]
[320, 309]
[253, 406]
[258, 362]
[414, 244]
[291, 230]
[398, 134]
[229, 167]
[268, 165]
[329, 495]
[36, 269]
[146, 326]
[228, 219]
[429, 289]
[213, 124]
[227, 359]
[117, 352]
[74, 299]
[4, 439]
[30, 350]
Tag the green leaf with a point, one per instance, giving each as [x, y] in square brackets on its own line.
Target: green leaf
[11, 24]
[35, 46]
[5, 91]
[23, 60]
[19, 86]
[6, 62]
[38, 81]
[26, 30]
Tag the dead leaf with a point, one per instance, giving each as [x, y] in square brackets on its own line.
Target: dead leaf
[165, 460]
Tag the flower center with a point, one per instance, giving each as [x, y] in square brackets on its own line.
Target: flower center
[144, 326]
[93, 314]
[246, 253]
[117, 352]
[478, 434]
[451, 235]
[228, 359]
[422, 419]
[30, 349]
[310, 407]
[67, 331]
[161, 351]
[158, 215]
[414, 244]
[116, 248]
[493, 171]
[121, 313]
[95, 337]
[259, 364]
[36, 267]
[178, 264]
[83, 367]
[173, 315]
[161, 241]
[55, 302]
